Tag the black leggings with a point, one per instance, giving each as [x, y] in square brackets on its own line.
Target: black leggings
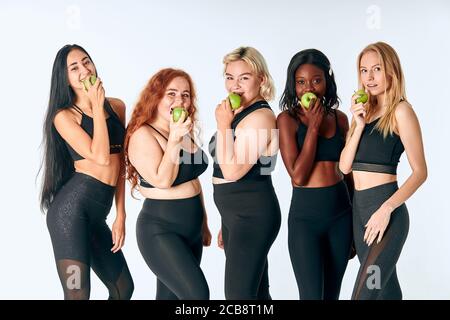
[81, 239]
[250, 223]
[377, 276]
[320, 239]
[169, 236]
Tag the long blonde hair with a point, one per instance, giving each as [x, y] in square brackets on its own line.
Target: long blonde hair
[258, 64]
[395, 87]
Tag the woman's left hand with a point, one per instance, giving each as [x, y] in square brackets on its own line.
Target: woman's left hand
[118, 233]
[377, 224]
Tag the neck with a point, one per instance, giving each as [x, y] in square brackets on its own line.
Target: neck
[83, 102]
[161, 124]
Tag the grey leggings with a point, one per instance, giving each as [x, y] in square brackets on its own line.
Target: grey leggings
[377, 276]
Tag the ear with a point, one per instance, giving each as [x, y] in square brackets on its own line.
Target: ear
[263, 80]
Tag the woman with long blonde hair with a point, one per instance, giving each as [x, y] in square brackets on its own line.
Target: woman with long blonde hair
[382, 129]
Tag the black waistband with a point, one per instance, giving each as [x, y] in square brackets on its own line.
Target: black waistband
[372, 167]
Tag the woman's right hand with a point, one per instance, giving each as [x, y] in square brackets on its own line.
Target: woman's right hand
[96, 94]
[177, 130]
[314, 113]
[358, 111]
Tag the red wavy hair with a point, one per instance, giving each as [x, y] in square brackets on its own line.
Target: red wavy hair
[146, 110]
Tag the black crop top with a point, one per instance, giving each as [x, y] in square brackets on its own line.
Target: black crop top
[377, 154]
[191, 166]
[328, 149]
[265, 164]
[116, 130]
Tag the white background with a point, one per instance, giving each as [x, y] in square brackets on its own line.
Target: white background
[130, 42]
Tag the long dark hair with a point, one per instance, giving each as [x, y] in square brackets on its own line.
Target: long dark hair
[56, 163]
[289, 100]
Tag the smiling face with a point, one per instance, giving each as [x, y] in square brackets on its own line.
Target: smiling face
[177, 94]
[310, 78]
[79, 67]
[372, 74]
[241, 79]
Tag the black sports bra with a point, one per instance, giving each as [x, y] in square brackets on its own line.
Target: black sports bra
[376, 153]
[191, 166]
[116, 130]
[328, 149]
[265, 164]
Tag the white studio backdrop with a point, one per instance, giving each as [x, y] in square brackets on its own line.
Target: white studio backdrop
[130, 42]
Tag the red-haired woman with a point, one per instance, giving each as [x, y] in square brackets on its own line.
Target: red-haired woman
[165, 161]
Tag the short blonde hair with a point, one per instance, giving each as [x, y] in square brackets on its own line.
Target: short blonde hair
[258, 64]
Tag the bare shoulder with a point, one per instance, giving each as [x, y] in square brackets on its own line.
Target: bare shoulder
[285, 120]
[118, 106]
[64, 115]
[404, 111]
[342, 119]
[261, 118]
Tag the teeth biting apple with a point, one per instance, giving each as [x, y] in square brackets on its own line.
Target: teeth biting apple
[306, 98]
[88, 82]
[177, 112]
[235, 100]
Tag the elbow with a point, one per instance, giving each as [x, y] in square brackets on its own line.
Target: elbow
[421, 174]
[345, 168]
[299, 180]
[102, 161]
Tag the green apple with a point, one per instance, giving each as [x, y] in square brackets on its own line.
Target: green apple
[235, 100]
[91, 80]
[363, 97]
[177, 112]
[306, 99]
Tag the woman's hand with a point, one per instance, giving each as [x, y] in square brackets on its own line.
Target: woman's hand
[224, 114]
[118, 233]
[377, 224]
[177, 130]
[314, 113]
[358, 111]
[219, 239]
[96, 94]
[206, 235]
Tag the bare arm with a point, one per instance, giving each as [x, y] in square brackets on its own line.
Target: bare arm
[97, 148]
[411, 136]
[298, 163]
[237, 157]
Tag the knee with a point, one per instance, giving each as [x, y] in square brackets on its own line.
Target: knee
[123, 291]
[76, 294]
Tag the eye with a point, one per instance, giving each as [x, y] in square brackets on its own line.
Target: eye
[186, 95]
[74, 69]
[363, 70]
[301, 82]
[377, 68]
[229, 78]
[172, 94]
[317, 81]
[244, 78]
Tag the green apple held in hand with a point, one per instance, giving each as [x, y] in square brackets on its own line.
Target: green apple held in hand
[91, 80]
[363, 97]
[235, 100]
[306, 99]
[177, 112]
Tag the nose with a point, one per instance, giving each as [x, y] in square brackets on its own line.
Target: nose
[179, 100]
[370, 74]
